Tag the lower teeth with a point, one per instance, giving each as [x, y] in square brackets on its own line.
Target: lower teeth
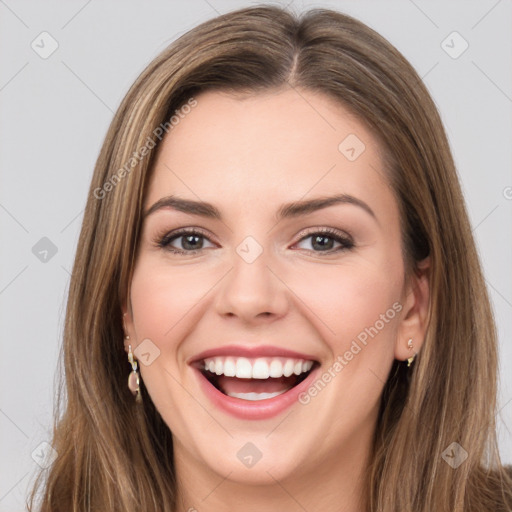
[256, 396]
[253, 396]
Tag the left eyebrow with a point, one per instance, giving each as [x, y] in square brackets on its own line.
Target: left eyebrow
[297, 208]
[288, 210]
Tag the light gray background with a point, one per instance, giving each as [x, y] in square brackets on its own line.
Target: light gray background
[54, 115]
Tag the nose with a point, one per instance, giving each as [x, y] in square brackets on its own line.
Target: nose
[252, 291]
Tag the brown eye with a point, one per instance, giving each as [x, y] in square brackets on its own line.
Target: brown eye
[325, 241]
[187, 241]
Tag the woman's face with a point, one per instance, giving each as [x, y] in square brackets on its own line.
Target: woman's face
[275, 280]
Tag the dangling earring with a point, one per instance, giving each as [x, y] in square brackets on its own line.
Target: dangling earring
[410, 359]
[133, 378]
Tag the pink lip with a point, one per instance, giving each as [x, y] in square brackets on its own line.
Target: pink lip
[250, 352]
[255, 410]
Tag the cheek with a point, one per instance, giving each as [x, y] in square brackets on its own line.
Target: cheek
[356, 309]
[163, 295]
[352, 300]
[163, 299]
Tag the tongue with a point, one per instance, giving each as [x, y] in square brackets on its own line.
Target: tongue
[231, 385]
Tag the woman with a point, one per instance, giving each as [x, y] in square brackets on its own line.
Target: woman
[276, 253]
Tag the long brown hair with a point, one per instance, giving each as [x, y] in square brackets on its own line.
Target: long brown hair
[116, 454]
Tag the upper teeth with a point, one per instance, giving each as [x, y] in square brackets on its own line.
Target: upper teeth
[260, 368]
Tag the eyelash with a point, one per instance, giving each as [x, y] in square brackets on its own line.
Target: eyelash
[163, 241]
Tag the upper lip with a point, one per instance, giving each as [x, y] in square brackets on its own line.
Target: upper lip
[251, 352]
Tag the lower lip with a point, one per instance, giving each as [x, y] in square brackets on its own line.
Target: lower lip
[254, 410]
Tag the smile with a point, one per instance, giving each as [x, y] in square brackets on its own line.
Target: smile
[255, 379]
[254, 387]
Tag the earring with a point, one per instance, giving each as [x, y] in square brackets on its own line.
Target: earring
[133, 378]
[410, 359]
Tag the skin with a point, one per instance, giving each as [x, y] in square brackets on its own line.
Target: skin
[248, 156]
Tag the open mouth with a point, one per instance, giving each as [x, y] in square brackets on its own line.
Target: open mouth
[254, 379]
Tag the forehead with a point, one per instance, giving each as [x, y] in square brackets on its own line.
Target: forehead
[284, 144]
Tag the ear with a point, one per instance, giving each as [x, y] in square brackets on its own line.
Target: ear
[128, 329]
[414, 317]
